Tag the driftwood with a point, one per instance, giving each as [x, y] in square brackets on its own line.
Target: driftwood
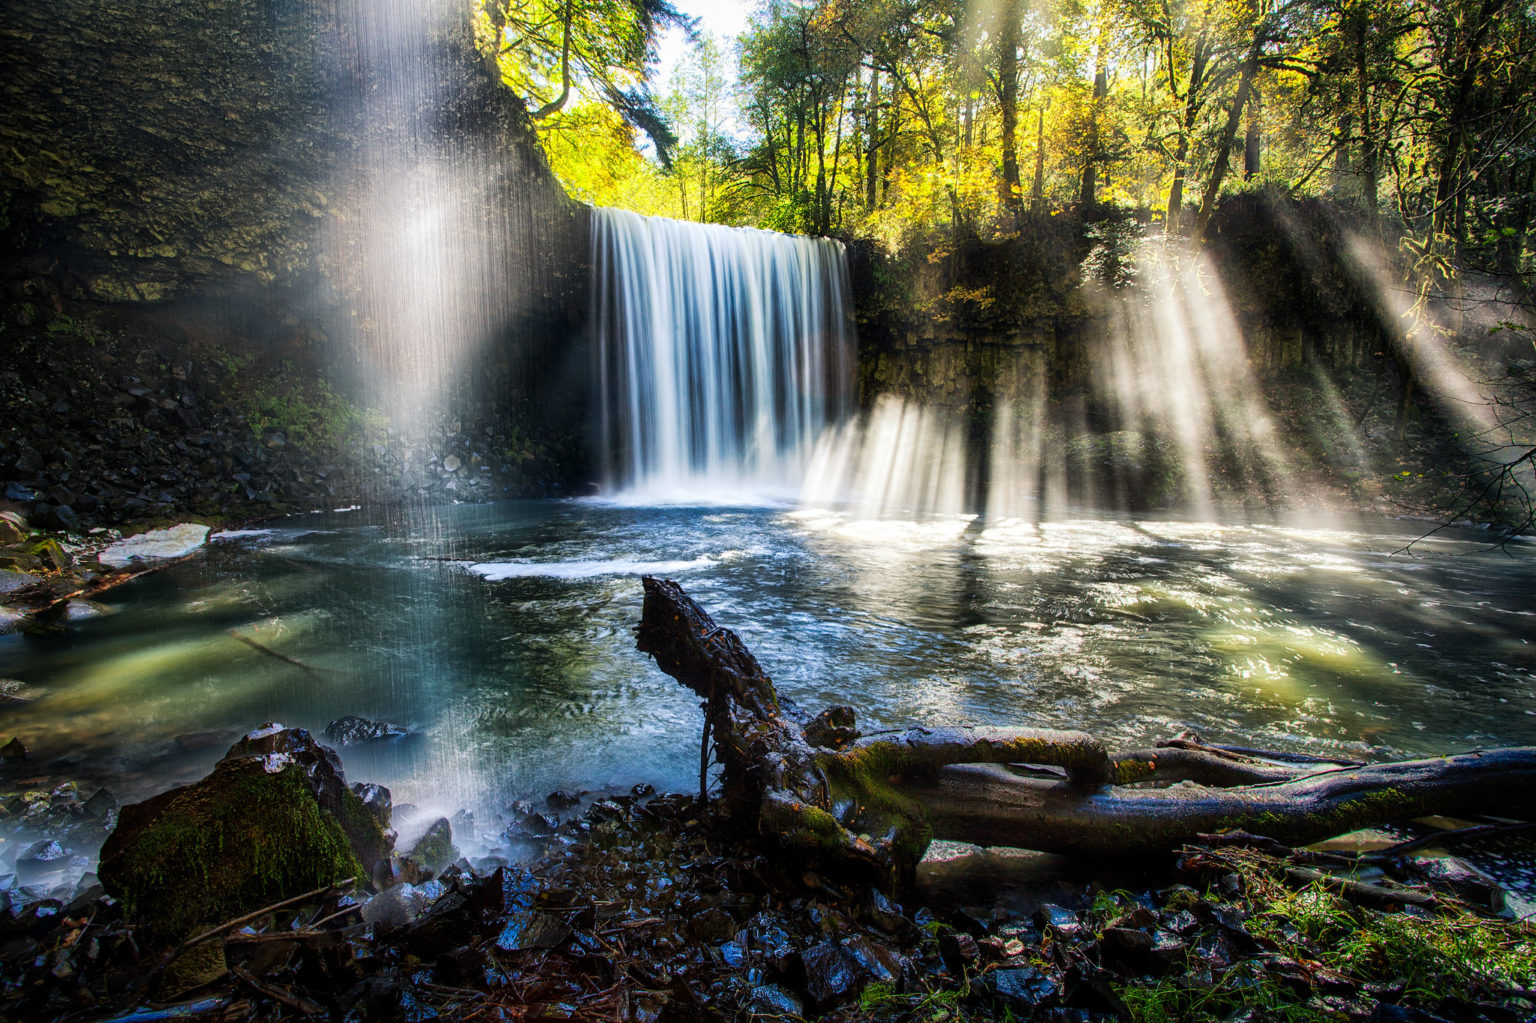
[871, 804]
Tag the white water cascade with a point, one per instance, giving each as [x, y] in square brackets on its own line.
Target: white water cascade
[723, 353]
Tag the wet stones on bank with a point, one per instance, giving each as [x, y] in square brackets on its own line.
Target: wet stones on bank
[645, 908]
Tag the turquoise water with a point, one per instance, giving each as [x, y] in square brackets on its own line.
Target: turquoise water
[502, 637]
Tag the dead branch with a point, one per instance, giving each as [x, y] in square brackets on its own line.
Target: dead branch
[871, 805]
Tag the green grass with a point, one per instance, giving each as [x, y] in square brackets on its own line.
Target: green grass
[1245, 986]
[1450, 954]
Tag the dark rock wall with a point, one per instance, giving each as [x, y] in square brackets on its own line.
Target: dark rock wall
[187, 184]
[160, 148]
[959, 323]
[155, 148]
[1048, 324]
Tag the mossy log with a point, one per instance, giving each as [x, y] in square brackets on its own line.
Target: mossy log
[870, 805]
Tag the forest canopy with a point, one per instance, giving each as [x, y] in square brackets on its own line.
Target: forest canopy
[877, 117]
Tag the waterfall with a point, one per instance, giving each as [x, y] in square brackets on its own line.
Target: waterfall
[723, 353]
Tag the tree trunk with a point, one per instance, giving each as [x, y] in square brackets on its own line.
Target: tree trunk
[872, 166]
[1364, 112]
[1088, 195]
[1192, 103]
[1228, 138]
[988, 805]
[1448, 218]
[869, 805]
[1008, 94]
[1253, 139]
[1037, 192]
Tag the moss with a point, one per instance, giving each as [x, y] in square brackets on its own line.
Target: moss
[236, 841]
[1127, 772]
[303, 407]
[866, 776]
[435, 849]
[360, 826]
[1452, 954]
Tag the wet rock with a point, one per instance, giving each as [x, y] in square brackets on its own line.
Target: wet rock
[274, 819]
[1183, 922]
[1462, 879]
[772, 940]
[560, 800]
[962, 920]
[877, 961]
[10, 580]
[606, 809]
[15, 750]
[1168, 949]
[532, 929]
[711, 926]
[1084, 987]
[830, 974]
[398, 870]
[155, 545]
[41, 861]
[540, 824]
[13, 529]
[352, 730]
[772, 1001]
[434, 850]
[959, 951]
[1125, 948]
[193, 968]
[396, 907]
[377, 799]
[833, 728]
[1018, 990]
[1059, 921]
[883, 913]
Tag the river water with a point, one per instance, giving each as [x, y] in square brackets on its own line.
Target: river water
[501, 636]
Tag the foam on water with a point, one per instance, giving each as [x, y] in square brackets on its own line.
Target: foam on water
[495, 571]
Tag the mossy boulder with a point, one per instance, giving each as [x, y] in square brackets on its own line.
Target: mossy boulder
[275, 819]
[435, 849]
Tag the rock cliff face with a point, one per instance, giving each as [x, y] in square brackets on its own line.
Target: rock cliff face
[308, 208]
[960, 323]
[155, 149]
[1138, 374]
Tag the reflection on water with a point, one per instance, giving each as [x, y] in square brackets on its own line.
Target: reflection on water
[502, 635]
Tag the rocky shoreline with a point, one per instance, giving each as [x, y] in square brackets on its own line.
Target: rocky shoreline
[649, 907]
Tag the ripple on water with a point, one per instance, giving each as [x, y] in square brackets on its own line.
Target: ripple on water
[504, 635]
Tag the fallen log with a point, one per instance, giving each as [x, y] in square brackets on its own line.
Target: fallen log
[816, 789]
